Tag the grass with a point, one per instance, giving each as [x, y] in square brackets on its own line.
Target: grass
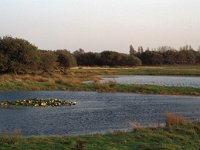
[163, 71]
[73, 80]
[99, 87]
[10, 139]
[181, 136]
[175, 70]
[155, 89]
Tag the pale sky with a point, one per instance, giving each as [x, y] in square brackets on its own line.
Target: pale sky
[97, 25]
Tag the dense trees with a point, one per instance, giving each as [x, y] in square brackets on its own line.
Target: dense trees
[3, 63]
[17, 55]
[170, 57]
[87, 59]
[20, 56]
[166, 55]
[151, 58]
[48, 61]
[106, 58]
[65, 60]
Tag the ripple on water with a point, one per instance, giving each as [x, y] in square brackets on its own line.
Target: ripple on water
[95, 112]
[157, 80]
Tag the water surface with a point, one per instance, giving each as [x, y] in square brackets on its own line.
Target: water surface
[156, 80]
[95, 112]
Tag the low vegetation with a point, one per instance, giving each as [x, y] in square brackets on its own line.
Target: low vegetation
[175, 120]
[179, 135]
[36, 103]
[98, 87]
[175, 70]
[161, 71]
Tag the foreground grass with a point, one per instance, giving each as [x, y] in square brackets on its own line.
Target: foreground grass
[99, 87]
[161, 138]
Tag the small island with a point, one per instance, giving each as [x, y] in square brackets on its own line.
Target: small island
[36, 103]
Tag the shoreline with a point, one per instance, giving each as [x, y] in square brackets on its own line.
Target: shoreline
[182, 136]
[108, 87]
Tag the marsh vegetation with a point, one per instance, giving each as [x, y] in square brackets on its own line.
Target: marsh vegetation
[36, 103]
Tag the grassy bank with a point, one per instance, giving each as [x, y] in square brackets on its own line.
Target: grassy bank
[73, 80]
[177, 137]
[162, 71]
[99, 87]
[175, 70]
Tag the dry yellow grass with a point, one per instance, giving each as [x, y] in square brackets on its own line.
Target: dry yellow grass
[26, 77]
[136, 125]
[55, 78]
[174, 120]
[171, 119]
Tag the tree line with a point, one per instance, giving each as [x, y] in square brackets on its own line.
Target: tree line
[161, 56]
[20, 56]
[170, 56]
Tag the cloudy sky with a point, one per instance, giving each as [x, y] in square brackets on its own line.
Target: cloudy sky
[97, 25]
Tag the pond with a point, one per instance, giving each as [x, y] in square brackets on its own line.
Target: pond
[95, 112]
[156, 80]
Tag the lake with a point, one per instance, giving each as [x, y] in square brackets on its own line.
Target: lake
[156, 80]
[95, 112]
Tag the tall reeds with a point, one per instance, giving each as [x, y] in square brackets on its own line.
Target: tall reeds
[174, 120]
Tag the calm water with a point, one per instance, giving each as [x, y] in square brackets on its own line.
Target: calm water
[95, 112]
[157, 80]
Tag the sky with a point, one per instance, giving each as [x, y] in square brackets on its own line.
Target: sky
[97, 25]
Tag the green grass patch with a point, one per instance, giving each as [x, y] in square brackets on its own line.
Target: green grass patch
[159, 72]
[173, 70]
[156, 89]
[99, 87]
[161, 138]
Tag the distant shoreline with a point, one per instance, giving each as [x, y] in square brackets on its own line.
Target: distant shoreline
[73, 80]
